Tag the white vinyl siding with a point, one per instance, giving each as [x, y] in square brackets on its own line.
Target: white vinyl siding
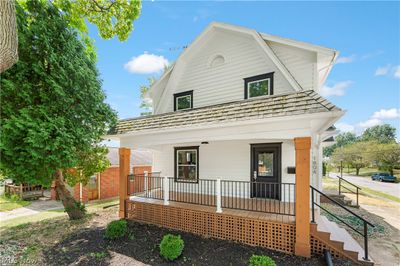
[300, 63]
[243, 58]
[228, 160]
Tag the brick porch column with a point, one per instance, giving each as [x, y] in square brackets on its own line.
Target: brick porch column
[124, 164]
[302, 245]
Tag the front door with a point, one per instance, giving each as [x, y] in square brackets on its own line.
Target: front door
[265, 170]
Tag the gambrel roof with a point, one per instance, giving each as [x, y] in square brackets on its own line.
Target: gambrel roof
[298, 103]
[325, 57]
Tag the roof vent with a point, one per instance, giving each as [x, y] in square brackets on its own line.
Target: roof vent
[217, 61]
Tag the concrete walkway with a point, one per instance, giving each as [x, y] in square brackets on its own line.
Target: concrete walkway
[35, 207]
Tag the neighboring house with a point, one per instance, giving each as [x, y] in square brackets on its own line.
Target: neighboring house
[237, 135]
[105, 185]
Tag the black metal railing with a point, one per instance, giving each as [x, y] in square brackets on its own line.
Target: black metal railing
[354, 190]
[275, 198]
[148, 185]
[201, 192]
[363, 233]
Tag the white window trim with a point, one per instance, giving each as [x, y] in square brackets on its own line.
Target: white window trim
[251, 82]
[192, 165]
[190, 101]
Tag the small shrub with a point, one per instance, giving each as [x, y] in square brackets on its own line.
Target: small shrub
[77, 206]
[256, 260]
[15, 197]
[171, 247]
[116, 229]
[98, 255]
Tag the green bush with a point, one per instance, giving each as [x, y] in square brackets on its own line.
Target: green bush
[15, 197]
[77, 206]
[171, 247]
[116, 229]
[256, 260]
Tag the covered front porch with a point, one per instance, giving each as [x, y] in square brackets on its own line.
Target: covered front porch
[272, 198]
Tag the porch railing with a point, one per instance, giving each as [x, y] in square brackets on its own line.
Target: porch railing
[364, 222]
[274, 198]
[343, 183]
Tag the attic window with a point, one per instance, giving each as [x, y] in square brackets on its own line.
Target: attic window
[259, 85]
[183, 100]
[217, 61]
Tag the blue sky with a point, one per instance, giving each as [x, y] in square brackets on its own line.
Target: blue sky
[365, 81]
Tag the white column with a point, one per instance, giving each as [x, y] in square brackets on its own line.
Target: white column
[218, 194]
[166, 190]
[146, 180]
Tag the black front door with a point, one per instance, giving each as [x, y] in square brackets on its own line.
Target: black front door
[266, 170]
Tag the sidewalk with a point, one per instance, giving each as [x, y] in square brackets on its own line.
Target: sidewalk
[35, 207]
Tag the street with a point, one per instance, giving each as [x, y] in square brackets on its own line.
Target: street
[386, 187]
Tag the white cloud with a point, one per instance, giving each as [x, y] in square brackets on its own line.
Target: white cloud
[346, 59]
[375, 119]
[371, 55]
[146, 64]
[392, 113]
[343, 127]
[369, 123]
[338, 89]
[382, 71]
[397, 72]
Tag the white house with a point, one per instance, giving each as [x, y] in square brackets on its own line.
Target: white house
[238, 120]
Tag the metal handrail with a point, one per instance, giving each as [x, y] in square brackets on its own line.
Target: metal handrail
[348, 182]
[365, 222]
[354, 192]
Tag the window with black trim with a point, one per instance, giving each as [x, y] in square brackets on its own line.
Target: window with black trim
[183, 100]
[259, 85]
[187, 164]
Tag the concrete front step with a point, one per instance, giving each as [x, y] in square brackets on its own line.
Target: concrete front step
[340, 239]
[339, 198]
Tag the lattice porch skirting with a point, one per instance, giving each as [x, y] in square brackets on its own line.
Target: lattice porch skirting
[273, 235]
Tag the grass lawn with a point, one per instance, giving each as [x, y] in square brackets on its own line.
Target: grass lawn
[20, 221]
[7, 204]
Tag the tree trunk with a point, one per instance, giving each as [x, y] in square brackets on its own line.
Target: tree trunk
[357, 170]
[70, 205]
[8, 35]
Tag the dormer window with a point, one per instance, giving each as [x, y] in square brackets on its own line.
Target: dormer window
[259, 85]
[183, 100]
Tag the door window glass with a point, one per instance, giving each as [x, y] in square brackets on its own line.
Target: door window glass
[265, 164]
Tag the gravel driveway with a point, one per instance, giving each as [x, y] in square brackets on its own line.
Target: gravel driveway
[386, 187]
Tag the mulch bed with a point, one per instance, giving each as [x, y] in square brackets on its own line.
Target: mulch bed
[141, 243]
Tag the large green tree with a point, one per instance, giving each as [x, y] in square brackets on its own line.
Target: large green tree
[341, 139]
[53, 113]
[386, 156]
[112, 18]
[380, 133]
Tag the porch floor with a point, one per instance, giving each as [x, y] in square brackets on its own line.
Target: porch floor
[288, 219]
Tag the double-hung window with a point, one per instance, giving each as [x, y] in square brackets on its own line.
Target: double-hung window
[183, 100]
[187, 164]
[260, 85]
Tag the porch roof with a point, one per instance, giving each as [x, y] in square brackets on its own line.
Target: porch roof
[304, 102]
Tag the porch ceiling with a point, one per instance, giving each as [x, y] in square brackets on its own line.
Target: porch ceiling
[288, 105]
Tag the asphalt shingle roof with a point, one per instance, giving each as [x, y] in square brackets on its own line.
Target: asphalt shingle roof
[304, 102]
